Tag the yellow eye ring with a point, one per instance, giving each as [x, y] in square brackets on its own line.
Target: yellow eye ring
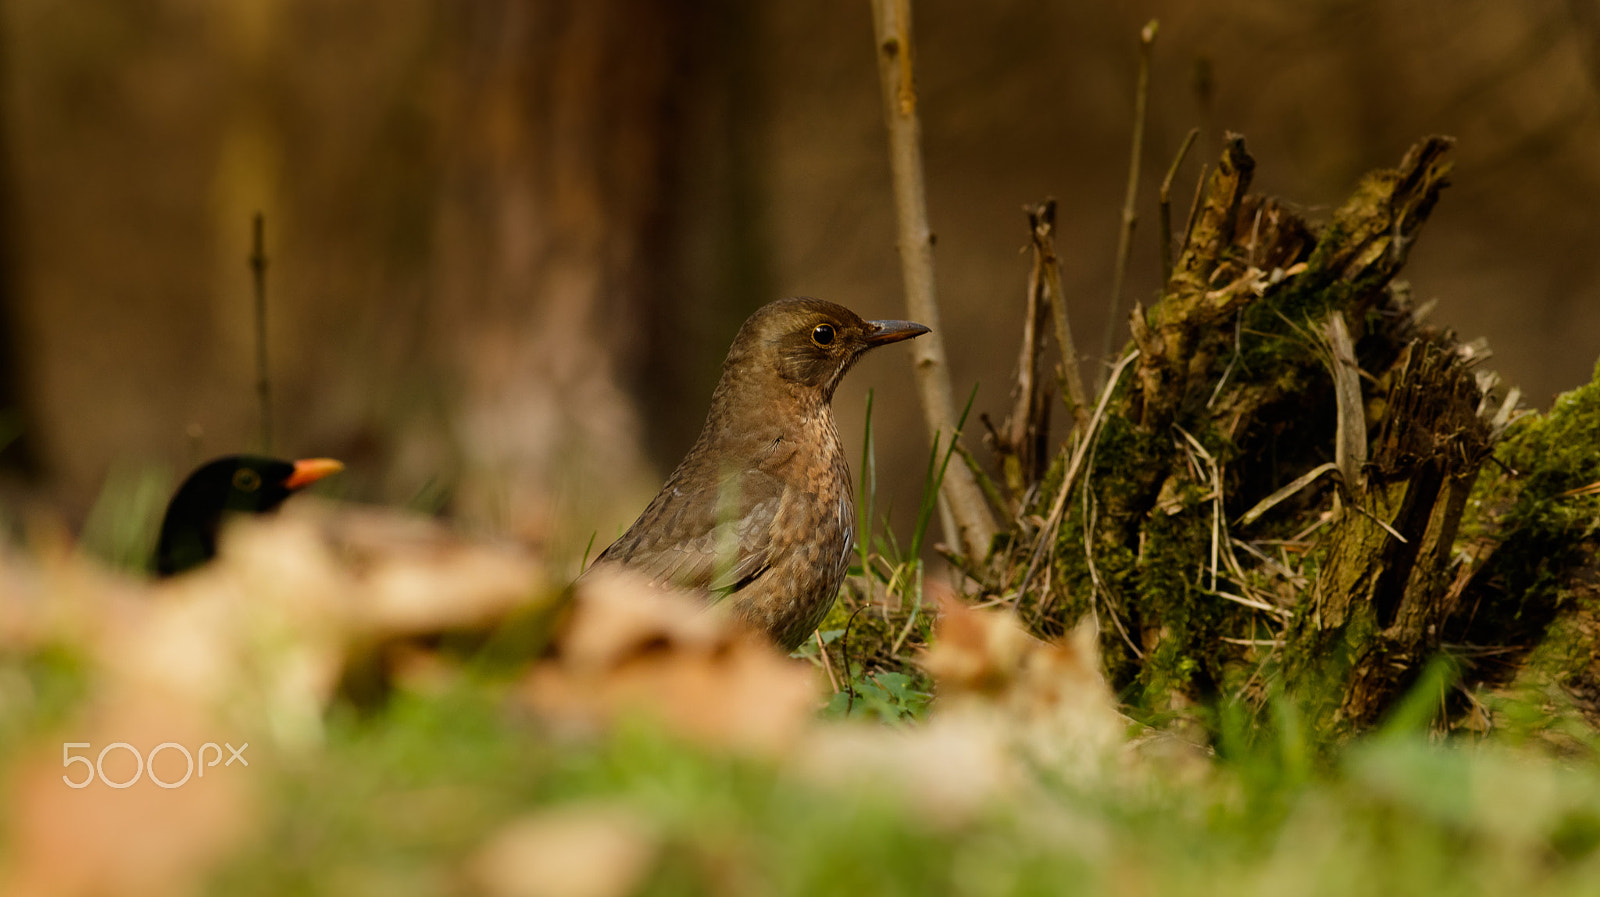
[822, 335]
[246, 480]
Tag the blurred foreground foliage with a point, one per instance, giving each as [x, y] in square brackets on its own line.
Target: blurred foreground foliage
[652, 750]
[398, 805]
[430, 795]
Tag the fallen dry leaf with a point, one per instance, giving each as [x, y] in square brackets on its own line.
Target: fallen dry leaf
[400, 574]
[631, 648]
[244, 653]
[326, 587]
[158, 674]
[1049, 698]
[583, 850]
[974, 651]
[948, 771]
[143, 839]
[1008, 709]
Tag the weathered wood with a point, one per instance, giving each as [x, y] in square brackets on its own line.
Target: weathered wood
[1166, 340]
[1381, 599]
[1020, 441]
[1228, 366]
[1279, 349]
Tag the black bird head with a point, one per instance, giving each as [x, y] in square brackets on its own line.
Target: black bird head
[243, 484]
[809, 342]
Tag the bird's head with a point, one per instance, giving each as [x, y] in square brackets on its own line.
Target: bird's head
[249, 483]
[245, 484]
[810, 342]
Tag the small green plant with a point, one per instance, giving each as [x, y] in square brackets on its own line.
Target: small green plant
[890, 696]
[875, 629]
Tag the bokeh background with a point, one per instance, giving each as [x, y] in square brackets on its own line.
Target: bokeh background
[510, 241]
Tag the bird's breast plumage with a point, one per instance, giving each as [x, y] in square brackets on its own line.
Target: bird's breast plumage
[810, 537]
[772, 536]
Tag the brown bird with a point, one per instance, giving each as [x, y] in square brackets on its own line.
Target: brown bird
[760, 511]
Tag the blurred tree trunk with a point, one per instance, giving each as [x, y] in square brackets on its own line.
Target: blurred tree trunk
[555, 177]
[470, 224]
[16, 456]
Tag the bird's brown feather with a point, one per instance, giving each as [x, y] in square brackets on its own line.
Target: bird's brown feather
[760, 513]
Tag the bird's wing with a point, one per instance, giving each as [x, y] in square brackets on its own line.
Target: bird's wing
[716, 541]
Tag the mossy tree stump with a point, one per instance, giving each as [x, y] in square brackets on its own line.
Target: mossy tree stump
[1276, 494]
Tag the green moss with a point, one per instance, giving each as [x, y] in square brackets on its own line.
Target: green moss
[1568, 646]
[1542, 534]
[1168, 597]
[1151, 566]
[1560, 450]
[1525, 595]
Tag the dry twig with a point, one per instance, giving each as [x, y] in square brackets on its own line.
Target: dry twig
[1166, 204]
[964, 515]
[1046, 266]
[258, 270]
[1141, 95]
[1048, 531]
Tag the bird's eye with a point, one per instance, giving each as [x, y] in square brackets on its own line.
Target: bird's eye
[823, 335]
[246, 480]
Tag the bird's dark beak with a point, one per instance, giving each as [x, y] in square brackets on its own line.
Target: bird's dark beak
[310, 470]
[882, 333]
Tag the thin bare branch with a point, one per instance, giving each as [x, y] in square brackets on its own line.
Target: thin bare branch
[1591, 489]
[1166, 204]
[1194, 209]
[827, 665]
[1042, 224]
[258, 271]
[959, 496]
[1022, 424]
[1020, 441]
[1141, 95]
[1379, 521]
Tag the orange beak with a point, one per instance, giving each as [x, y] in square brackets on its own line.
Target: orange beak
[310, 470]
